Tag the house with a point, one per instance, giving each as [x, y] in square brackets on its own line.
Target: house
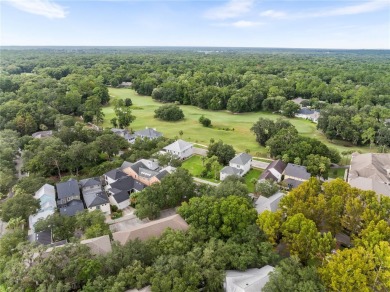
[252, 280]
[125, 134]
[147, 172]
[42, 134]
[45, 238]
[239, 165]
[148, 133]
[294, 175]
[370, 171]
[94, 196]
[120, 190]
[271, 204]
[152, 229]
[180, 148]
[306, 113]
[274, 171]
[113, 175]
[125, 84]
[69, 199]
[98, 245]
[299, 101]
[47, 201]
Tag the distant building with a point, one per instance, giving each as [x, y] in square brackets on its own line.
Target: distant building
[239, 165]
[42, 134]
[69, 198]
[152, 229]
[306, 113]
[371, 172]
[147, 133]
[180, 148]
[252, 280]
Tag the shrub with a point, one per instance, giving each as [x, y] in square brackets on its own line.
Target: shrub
[170, 112]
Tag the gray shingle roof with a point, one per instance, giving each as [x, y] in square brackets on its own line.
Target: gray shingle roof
[97, 199]
[89, 182]
[297, 171]
[43, 237]
[267, 175]
[148, 133]
[138, 186]
[278, 165]
[115, 174]
[178, 146]
[230, 170]
[68, 189]
[72, 208]
[147, 173]
[121, 196]
[292, 183]
[162, 174]
[241, 159]
[123, 184]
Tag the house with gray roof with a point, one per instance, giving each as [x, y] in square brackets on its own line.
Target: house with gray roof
[47, 201]
[271, 204]
[42, 134]
[120, 190]
[124, 134]
[180, 148]
[148, 133]
[114, 175]
[251, 280]
[370, 171]
[69, 197]
[294, 175]
[309, 114]
[274, 171]
[95, 198]
[239, 165]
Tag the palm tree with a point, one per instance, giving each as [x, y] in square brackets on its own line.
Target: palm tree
[254, 182]
[16, 223]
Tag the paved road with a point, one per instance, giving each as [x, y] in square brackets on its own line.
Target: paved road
[202, 181]
[259, 164]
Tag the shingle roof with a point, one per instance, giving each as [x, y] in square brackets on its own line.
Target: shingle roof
[68, 189]
[147, 173]
[178, 146]
[241, 159]
[152, 229]
[369, 184]
[126, 164]
[278, 165]
[370, 165]
[89, 182]
[306, 111]
[230, 170]
[72, 208]
[297, 171]
[136, 166]
[42, 134]
[292, 183]
[138, 186]
[97, 199]
[121, 196]
[123, 184]
[43, 237]
[267, 175]
[115, 174]
[162, 174]
[149, 133]
[270, 204]
[46, 189]
[247, 281]
[98, 245]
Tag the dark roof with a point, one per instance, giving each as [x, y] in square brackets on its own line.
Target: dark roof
[136, 166]
[149, 133]
[278, 165]
[292, 183]
[68, 189]
[126, 164]
[123, 184]
[43, 237]
[121, 196]
[115, 174]
[146, 172]
[162, 174]
[89, 182]
[72, 208]
[267, 175]
[297, 171]
[138, 185]
[97, 199]
[241, 159]
[306, 111]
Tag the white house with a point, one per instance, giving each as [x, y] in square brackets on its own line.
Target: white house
[252, 280]
[274, 171]
[94, 196]
[120, 199]
[180, 148]
[306, 113]
[239, 165]
[47, 201]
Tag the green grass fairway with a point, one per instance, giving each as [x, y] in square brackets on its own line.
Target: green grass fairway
[241, 138]
[253, 173]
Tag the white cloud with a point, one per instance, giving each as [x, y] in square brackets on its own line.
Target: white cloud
[245, 23]
[45, 8]
[273, 14]
[366, 7]
[232, 9]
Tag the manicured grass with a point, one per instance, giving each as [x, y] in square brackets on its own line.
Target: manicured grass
[253, 173]
[337, 173]
[241, 138]
[195, 166]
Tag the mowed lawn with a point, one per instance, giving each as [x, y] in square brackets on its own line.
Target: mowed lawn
[241, 138]
[195, 167]
[253, 173]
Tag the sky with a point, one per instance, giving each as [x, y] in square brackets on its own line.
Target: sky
[333, 24]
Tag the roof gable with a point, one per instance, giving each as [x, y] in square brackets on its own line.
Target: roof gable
[97, 199]
[178, 146]
[241, 159]
[68, 189]
[297, 171]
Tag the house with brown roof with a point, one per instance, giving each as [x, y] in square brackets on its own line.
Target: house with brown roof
[98, 245]
[152, 229]
[274, 171]
[371, 172]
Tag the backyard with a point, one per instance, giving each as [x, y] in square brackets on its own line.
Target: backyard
[238, 135]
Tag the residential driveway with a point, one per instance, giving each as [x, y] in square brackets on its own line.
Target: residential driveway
[259, 164]
[200, 151]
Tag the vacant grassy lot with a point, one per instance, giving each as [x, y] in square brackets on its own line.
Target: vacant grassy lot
[241, 138]
[253, 173]
[194, 165]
